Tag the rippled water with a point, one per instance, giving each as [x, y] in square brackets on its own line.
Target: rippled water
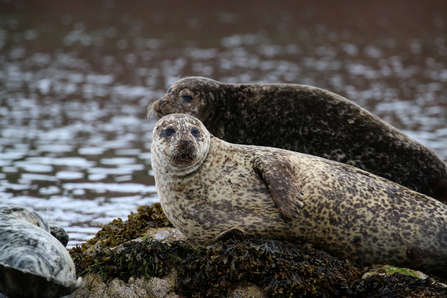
[76, 78]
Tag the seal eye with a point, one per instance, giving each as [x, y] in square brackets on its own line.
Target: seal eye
[169, 91]
[168, 132]
[195, 132]
[187, 98]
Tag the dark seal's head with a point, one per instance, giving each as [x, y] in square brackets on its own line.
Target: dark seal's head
[192, 95]
[180, 143]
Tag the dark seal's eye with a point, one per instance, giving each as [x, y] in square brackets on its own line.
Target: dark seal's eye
[169, 90]
[195, 132]
[168, 132]
[187, 98]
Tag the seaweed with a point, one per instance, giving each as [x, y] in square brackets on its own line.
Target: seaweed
[397, 285]
[119, 231]
[97, 252]
[282, 269]
[141, 258]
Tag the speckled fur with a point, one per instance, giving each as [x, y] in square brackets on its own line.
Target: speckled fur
[308, 120]
[348, 212]
[33, 263]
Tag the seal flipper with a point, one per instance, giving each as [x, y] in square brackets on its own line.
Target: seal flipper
[234, 232]
[280, 179]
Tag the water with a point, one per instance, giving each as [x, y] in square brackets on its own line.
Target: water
[76, 79]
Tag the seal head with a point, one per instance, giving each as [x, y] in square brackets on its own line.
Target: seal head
[182, 146]
[194, 97]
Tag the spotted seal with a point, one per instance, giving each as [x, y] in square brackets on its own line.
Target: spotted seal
[308, 120]
[33, 263]
[209, 188]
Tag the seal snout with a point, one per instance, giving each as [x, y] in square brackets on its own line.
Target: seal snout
[158, 105]
[185, 142]
[186, 147]
[186, 151]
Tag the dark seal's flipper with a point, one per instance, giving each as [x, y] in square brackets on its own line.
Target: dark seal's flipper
[280, 179]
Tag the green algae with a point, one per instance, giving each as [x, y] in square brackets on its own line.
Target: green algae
[388, 269]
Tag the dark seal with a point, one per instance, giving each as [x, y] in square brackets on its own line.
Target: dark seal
[309, 120]
[209, 188]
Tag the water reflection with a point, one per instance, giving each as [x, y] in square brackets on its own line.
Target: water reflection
[74, 87]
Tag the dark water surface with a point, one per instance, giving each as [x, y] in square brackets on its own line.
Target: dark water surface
[76, 78]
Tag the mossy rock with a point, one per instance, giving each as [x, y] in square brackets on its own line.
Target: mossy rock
[119, 231]
[101, 254]
[388, 269]
[138, 258]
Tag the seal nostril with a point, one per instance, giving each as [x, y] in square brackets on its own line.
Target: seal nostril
[161, 102]
[186, 142]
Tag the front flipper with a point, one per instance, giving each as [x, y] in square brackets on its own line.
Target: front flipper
[234, 232]
[281, 181]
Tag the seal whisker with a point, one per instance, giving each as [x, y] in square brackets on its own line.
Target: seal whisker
[150, 112]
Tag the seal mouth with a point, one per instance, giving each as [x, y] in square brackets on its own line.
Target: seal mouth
[184, 157]
[156, 107]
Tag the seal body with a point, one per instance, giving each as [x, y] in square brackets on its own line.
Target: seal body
[208, 187]
[33, 263]
[308, 120]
